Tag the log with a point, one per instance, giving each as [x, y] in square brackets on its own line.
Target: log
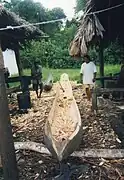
[33, 146]
[85, 153]
[88, 153]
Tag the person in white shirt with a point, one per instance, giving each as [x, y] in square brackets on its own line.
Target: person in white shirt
[88, 75]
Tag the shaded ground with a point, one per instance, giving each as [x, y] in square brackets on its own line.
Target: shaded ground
[97, 133]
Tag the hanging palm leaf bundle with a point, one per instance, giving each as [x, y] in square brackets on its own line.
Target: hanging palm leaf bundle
[90, 28]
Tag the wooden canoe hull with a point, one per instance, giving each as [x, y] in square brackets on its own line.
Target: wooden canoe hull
[64, 149]
[70, 147]
[49, 83]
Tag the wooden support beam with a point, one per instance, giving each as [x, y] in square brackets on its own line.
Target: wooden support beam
[18, 79]
[108, 90]
[94, 101]
[106, 78]
[101, 59]
[90, 153]
[13, 90]
[6, 139]
[19, 64]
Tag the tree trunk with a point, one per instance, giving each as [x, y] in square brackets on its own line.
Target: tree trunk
[6, 139]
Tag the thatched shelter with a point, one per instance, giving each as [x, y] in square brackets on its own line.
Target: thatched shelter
[9, 37]
[100, 24]
[14, 38]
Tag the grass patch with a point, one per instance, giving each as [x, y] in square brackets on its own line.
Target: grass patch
[74, 74]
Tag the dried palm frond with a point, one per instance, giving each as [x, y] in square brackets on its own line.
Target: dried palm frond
[89, 28]
[74, 48]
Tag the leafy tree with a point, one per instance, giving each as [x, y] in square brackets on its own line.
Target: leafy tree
[52, 52]
[114, 53]
[54, 14]
[35, 12]
[27, 9]
[80, 5]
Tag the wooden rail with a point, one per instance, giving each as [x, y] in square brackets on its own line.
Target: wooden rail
[13, 90]
[106, 78]
[107, 90]
[97, 91]
[18, 79]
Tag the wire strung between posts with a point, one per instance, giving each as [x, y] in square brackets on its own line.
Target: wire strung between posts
[31, 24]
[58, 20]
[107, 9]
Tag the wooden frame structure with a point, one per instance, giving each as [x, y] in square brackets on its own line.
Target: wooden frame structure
[11, 39]
[96, 91]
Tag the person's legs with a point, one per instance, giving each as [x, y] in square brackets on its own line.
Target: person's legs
[88, 92]
[84, 90]
[41, 89]
[35, 87]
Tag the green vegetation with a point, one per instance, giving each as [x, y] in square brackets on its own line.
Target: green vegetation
[53, 52]
[80, 5]
[73, 73]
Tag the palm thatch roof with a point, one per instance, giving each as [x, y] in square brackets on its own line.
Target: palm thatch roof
[10, 37]
[94, 27]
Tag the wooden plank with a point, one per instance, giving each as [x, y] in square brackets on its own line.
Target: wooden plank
[13, 90]
[18, 79]
[106, 78]
[88, 153]
[109, 90]
[25, 81]
[6, 139]
[63, 130]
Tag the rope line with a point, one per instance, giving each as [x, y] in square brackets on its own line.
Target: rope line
[107, 9]
[31, 24]
[58, 20]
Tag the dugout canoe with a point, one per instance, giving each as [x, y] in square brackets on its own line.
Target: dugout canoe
[63, 128]
[49, 83]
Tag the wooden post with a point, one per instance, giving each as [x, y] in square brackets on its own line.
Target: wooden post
[109, 20]
[101, 59]
[94, 100]
[7, 150]
[19, 64]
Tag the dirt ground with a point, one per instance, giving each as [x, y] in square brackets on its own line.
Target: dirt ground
[104, 130]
